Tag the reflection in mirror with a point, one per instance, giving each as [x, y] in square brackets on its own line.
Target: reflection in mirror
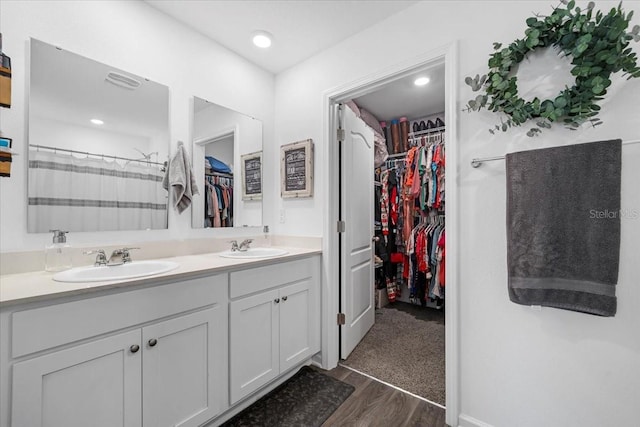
[227, 163]
[98, 141]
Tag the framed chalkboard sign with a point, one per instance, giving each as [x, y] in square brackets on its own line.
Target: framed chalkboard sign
[252, 176]
[296, 169]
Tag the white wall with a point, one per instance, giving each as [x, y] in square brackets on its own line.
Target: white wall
[132, 36]
[519, 367]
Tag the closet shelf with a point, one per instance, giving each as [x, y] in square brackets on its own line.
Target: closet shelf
[427, 132]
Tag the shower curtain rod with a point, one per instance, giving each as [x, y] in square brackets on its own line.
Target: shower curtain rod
[478, 162]
[66, 150]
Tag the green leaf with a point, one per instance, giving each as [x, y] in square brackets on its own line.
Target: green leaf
[571, 4]
[532, 21]
[468, 81]
[597, 89]
[560, 102]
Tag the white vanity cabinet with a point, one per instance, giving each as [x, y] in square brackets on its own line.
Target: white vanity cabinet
[149, 357]
[171, 351]
[274, 322]
[96, 384]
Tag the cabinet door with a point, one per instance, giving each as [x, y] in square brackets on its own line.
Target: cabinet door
[296, 322]
[253, 342]
[96, 384]
[182, 380]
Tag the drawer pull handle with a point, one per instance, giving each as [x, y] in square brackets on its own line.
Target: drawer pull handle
[277, 300]
[153, 342]
[284, 298]
[134, 348]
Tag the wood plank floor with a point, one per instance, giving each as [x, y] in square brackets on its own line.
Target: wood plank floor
[376, 404]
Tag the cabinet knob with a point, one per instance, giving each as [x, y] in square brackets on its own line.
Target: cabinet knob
[134, 348]
[153, 342]
[284, 298]
[277, 300]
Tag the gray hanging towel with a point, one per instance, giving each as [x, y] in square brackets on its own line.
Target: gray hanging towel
[180, 178]
[563, 226]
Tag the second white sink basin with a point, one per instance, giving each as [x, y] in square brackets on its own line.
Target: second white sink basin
[129, 270]
[254, 253]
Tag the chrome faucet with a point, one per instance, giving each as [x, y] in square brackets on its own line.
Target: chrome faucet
[101, 257]
[120, 256]
[245, 245]
[242, 247]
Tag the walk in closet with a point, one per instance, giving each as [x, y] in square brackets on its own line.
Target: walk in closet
[405, 347]
[218, 185]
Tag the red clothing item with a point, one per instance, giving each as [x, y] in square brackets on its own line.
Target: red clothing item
[421, 249]
[441, 248]
[394, 205]
[405, 269]
[408, 179]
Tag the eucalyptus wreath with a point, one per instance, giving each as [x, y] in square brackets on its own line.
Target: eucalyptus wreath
[598, 45]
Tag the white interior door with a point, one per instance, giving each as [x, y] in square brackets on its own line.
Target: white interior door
[356, 248]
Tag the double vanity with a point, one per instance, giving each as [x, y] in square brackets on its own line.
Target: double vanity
[189, 346]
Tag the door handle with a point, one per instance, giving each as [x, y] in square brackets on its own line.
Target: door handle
[284, 298]
[134, 348]
[153, 342]
[277, 300]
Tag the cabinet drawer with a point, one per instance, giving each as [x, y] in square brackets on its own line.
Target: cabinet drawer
[46, 327]
[258, 279]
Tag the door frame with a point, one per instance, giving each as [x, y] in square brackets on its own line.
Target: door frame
[447, 54]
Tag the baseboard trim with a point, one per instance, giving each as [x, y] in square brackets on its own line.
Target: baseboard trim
[465, 420]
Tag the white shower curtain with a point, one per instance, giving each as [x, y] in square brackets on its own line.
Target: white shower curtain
[88, 194]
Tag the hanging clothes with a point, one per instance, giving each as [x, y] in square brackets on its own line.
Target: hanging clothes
[218, 209]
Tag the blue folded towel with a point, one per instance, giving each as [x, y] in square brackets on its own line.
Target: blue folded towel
[217, 165]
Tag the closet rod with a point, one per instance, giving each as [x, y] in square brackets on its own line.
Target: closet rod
[86, 153]
[219, 174]
[478, 162]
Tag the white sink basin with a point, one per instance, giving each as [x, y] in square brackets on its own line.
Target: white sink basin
[129, 270]
[254, 253]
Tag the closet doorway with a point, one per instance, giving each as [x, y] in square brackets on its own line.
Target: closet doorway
[409, 312]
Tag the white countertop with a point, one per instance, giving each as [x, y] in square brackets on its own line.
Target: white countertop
[39, 285]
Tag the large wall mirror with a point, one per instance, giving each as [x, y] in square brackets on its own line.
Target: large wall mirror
[98, 142]
[227, 163]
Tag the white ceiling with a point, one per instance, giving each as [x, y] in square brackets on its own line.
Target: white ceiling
[402, 98]
[300, 29]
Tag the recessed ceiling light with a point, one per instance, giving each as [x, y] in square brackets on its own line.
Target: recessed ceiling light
[421, 81]
[97, 122]
[262, 39]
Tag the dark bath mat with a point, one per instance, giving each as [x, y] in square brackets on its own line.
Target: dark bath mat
[306, 399]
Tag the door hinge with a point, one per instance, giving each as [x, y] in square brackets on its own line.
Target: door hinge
[340, 134]
[341, 226]
[341, 319]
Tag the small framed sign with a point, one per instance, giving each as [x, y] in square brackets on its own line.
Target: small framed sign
[252, 176]
[296, 169]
